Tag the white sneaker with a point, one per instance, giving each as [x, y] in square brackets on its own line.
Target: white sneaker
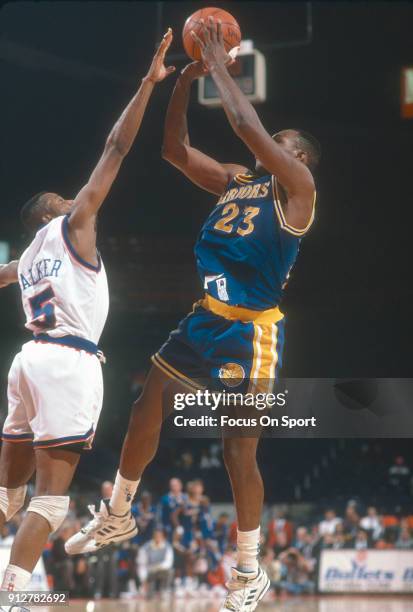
[245, 592]
[104, 529]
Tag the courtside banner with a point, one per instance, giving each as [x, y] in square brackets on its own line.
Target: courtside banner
[366, 571]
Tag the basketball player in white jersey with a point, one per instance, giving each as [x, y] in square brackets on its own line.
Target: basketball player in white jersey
[55, 387]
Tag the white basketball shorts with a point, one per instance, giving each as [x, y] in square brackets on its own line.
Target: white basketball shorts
[55, 396]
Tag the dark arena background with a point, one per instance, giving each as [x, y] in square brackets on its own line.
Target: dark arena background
[335, 70]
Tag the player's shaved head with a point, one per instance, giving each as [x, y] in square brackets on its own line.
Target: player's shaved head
[41, 208]
[303, 144]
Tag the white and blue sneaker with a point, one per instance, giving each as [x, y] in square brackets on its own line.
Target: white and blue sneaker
[245, 591]
[105, 528]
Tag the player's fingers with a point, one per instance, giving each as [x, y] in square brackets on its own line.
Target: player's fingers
[205, 32]
[219, 31]
[170, 69]
[197, 40]
[212, 28]
[166, 41]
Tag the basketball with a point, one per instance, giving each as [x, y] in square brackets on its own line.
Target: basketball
[230, 30]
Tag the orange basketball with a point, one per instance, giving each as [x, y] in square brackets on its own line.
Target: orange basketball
[230, 30]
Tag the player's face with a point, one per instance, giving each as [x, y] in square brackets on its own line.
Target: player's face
[57, 206]
[62, 206]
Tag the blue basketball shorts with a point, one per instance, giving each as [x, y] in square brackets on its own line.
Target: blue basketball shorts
[224, 347]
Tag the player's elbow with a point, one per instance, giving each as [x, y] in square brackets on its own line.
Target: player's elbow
[171, 153]
[167, 152]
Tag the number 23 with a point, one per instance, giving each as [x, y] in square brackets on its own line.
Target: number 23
[230, 212]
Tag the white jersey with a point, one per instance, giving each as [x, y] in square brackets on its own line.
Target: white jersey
[62, 294]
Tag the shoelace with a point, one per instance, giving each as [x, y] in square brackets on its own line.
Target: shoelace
[97, 520]
[235, 599]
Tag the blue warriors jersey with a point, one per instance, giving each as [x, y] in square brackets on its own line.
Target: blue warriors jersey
[246, 248]
[234, 336]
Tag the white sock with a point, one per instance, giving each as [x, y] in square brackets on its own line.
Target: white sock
[123, 493]
[248, 543]
[15, 579]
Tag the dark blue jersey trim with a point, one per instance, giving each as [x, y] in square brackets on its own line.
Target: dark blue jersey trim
[81, 344]
[72, 251]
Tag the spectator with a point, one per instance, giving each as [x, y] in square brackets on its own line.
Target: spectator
[301, 536]
[104, 569]
[206, 523]
[202, 565]
[190, 513]
[155, 563]
[170, 502]
[399, 476]
[329, 524]
[281, 543]
[180, 556]
[405, 539]
[61, 565]
[272, 566]
[327, 541]
[106, 489]
[372, 523]
[145, 513]
[295, 572]
[361, 541]
[351, 521]
[220, 532]
[341, 539]
[279, 524]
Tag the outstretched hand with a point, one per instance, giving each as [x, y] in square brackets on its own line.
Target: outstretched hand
[212, 45]
[158, 71]
[194, 70]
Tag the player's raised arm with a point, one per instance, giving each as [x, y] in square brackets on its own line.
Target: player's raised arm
[201, 169]
[294, 175]
[118, 144]
[8, 273]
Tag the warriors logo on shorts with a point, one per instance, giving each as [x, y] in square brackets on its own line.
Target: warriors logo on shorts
[231, 374]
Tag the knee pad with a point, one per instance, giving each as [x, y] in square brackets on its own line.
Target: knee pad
[53, 508]
[11, 500]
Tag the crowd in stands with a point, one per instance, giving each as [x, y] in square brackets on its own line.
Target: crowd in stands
[184, 547]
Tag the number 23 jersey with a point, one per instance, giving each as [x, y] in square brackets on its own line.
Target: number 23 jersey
[246, 248]
[62, 294]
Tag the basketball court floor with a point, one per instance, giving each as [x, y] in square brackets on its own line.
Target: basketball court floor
[312, 604]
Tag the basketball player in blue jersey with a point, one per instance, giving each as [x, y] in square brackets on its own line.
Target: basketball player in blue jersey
[55, 388]
[244, 254]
